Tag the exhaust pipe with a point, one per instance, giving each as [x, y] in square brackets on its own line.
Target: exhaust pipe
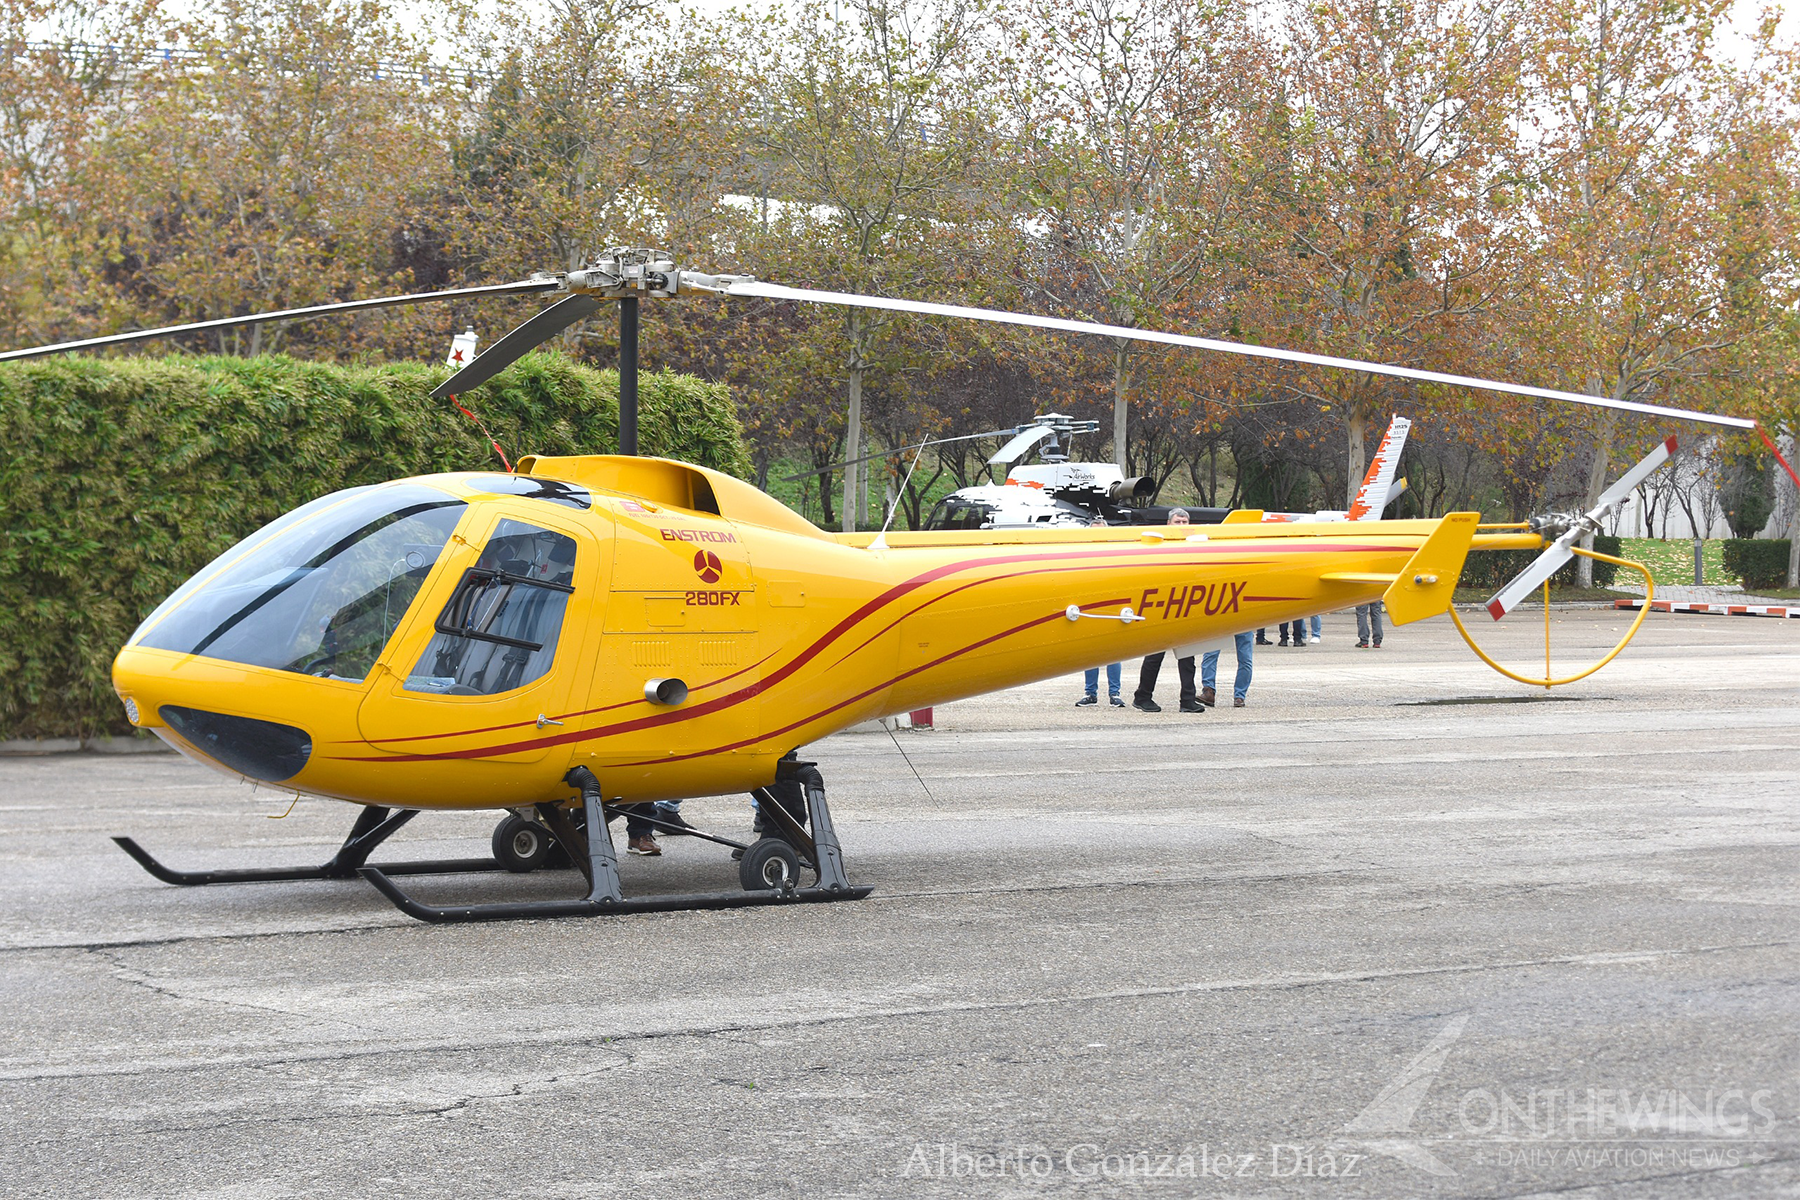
[1134, 492]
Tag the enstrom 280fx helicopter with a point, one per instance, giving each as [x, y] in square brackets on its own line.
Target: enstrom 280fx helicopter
[590, 632]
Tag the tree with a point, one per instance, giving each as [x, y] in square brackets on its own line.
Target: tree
[1643, 256]
[1385, 228]
[1127, 183]
[260, 167]
[873, 131]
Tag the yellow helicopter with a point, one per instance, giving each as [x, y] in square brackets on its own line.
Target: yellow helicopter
[585, 635]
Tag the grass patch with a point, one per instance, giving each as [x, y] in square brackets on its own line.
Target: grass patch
[1558, 595]
[1672, 562]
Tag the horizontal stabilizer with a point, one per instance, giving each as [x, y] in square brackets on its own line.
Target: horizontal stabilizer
[1427, 584]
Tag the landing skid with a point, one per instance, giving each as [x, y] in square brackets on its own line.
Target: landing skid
[593, 856]
[374, 825]
[597, 861]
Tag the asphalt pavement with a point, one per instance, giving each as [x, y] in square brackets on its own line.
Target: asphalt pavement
[1398, 927]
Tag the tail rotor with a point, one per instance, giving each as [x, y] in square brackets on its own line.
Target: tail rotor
[1570, 528]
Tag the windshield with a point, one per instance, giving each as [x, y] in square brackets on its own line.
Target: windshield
[322, 594]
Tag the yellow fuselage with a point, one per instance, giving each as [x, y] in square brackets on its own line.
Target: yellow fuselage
[782, 634]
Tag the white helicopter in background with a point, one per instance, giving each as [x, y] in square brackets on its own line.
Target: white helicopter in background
[1056, 492]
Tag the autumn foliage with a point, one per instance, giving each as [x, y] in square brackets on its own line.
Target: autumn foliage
[1585, 194]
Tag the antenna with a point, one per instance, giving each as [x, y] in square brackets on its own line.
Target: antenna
[880, 542]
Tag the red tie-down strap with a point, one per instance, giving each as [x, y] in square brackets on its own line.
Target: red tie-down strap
[495, 443]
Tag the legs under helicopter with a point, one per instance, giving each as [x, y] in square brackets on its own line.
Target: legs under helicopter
[770, 869]
[556, 835]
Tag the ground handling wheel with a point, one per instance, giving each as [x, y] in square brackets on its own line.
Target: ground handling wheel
[520, 845]
[769, 865]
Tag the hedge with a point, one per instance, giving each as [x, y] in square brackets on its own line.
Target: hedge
[1757, 562]
[1495, 568]
[122, 477]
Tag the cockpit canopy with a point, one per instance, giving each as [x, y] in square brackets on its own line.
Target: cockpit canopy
[322, 590]
[319, 591]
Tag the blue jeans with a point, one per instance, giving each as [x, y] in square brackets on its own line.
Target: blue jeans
[1112, 680]
[1245, 645]
[1317, 625]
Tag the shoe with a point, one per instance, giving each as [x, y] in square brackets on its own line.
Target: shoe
[1206, 697]
[1378, 645]
[681, 827]
[1237, 702]
[645, 845]
[1116, 702]
[1315, 639]
[1188, 704]
[1262, 641]
[1143, 705]
[1362, 645]
[1299, 642]
[1086, 700]
[1282, 642]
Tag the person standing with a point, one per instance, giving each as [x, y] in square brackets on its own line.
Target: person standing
[1144, 698]
[1317, 625]
[1092, 693]
[1244, 646]
[1368, 620]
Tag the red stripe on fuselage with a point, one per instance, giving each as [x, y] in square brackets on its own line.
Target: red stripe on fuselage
[867, 609]
[867, 692]
[586, 712]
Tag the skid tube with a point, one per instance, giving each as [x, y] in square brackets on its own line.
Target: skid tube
[374, 825]
[592, 852]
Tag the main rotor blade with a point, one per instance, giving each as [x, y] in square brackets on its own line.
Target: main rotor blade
[504, 353]
[771, 291]
[1010, 452]
[286, 314]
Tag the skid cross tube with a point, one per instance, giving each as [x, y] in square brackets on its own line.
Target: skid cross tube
[374, 825]
[670, 827]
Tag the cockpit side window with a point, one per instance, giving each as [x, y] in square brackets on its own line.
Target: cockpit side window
[499, 629]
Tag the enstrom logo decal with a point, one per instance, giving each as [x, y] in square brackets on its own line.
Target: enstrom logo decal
[707, 566]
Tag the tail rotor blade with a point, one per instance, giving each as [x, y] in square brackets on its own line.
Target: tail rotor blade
[1525, 582]
[517, 344]
[1627, 483]
[1562, 550]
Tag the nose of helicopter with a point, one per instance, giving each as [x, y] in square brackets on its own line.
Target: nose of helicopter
[247, 722]
[267, 653]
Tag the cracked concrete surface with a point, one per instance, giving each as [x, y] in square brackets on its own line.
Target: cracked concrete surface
[1103, 941]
